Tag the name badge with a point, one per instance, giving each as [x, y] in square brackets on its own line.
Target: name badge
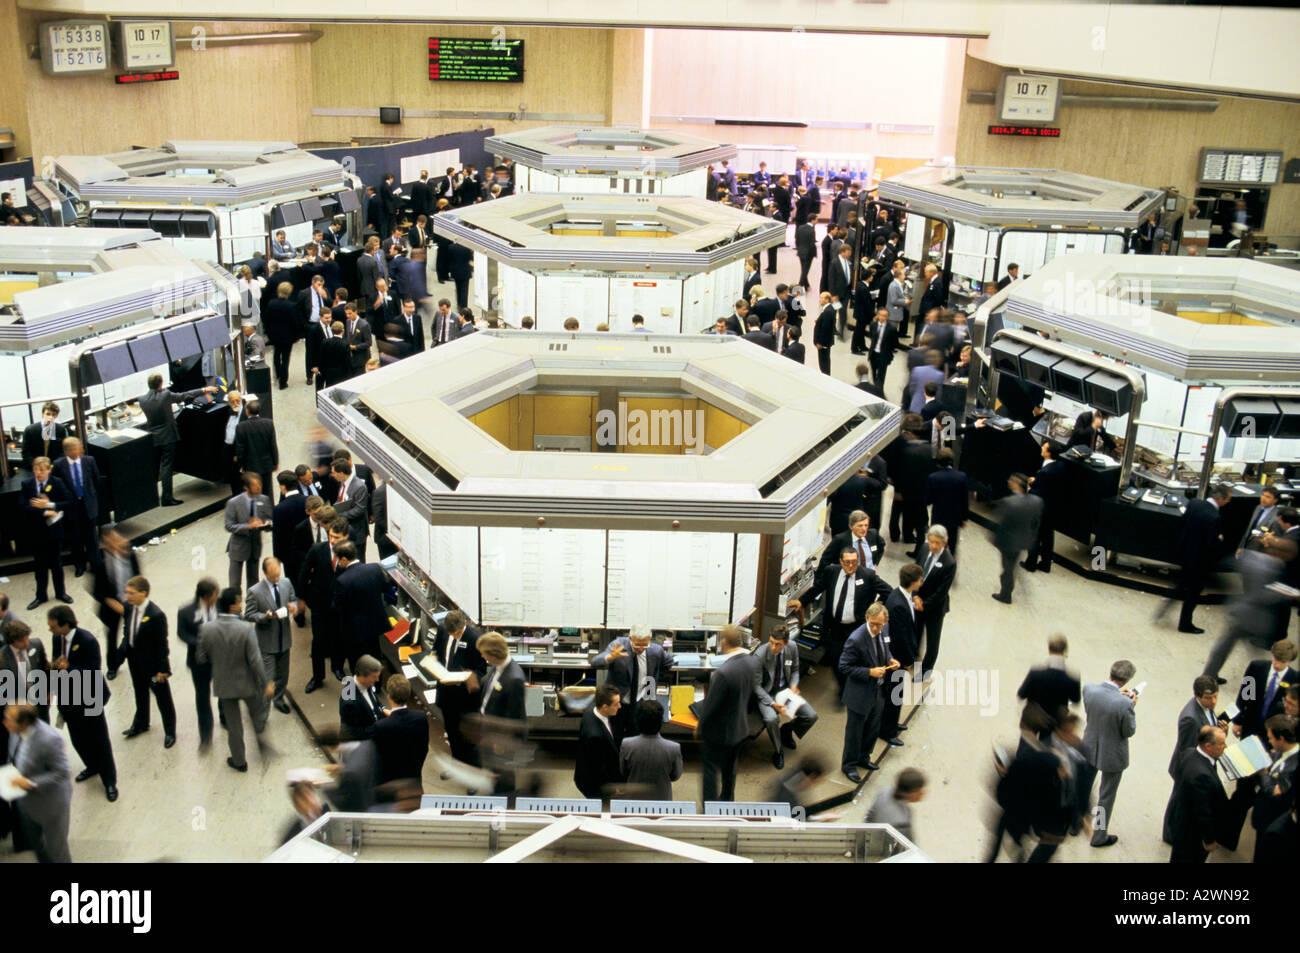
[858, 582]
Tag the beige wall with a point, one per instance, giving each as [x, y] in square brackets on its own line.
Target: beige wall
[1142, 146]
[361, 67]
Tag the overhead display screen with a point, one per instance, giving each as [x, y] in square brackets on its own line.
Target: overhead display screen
[476, 60]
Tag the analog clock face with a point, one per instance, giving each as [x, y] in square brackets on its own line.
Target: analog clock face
[74, 46]
[1028, 99]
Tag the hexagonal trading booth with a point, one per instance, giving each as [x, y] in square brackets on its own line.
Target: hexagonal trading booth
[564, 487]
[678, 262]
[605, 159]
[1196, 362]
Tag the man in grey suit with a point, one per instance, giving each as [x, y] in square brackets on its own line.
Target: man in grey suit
[248, 516]
[1263, 519]
[778, 670]
[896, 299]
[1021, 514]
[161, 424]
[648, 760]
[229, 645]
[1112, 721]
[38, 754]
[723, 716]
[271, 605]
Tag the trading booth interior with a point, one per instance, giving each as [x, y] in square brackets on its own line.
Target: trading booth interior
[562, 488]
[1193, 360]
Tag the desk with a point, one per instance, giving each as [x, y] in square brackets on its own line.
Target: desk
[989, 456]
[258, 383]
[130, 469]
[1141, 529]
[201, 451]
[1086, 486]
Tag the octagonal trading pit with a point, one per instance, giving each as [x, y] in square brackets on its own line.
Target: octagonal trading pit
[511, 535]
[676, 261]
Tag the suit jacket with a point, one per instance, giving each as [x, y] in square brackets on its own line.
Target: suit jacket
[158, 417]
[359, 602]
[421, 199]
[935, 586]
[766, 663]
[89, 484]
[245, 543]
[357, 717]
[1200, 806]
[751, 280]
[848, 496]
[273, 635]
[369, 270]
[837, 283]
[947, 493]
[460, 262]
[724, 713]
[465, 657]
[1250, 697]
[762, 339]
[805, 242]
[285, 520]
[1266, 522]
[334, 361]
[58, 494]
[402, 740]
[1190, 722]
[934, 295]
[885, 334]
[1049, 484]
[315, 579]
[43, 760]
[1199, 542]
[83, 655]
[896, 301]
[149, 650]
[187, 629]
[766, 310]
[1269, 806]
[1021, 515]
[795, 352]
[304, 300]
[354, 507]
[506, 698]
[37, 661]
[904, 639]
[35, 444]
[282, 322]
[598, 755]
[622, 673]
[824, 329]
[256, 448]
[867, 588]
[912, 466]
[651, 761]
[229, 645]
[875, 544]
[104, 587]
[360, 337]
[1051, 688]
[861, 653]
[1112, 721]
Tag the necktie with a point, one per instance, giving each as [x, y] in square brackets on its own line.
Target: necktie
[131, 624]
[451, 650]
[487, 690]
[776, 674]
[880, 649]
[275, 588]
[76, 475]
[342, 490]
[929, 562]
[844, 594]
[862, 556]
[1268, 695]
[639, 690]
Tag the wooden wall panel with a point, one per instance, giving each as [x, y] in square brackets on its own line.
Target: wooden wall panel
[1143, 146]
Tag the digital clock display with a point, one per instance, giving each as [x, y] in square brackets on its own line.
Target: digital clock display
[145, 44]
[69, 47]
[1027, 100]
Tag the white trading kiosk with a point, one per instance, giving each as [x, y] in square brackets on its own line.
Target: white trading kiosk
[216, 200]
[678, 262]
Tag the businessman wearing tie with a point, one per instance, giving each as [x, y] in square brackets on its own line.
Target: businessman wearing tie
[863, 666]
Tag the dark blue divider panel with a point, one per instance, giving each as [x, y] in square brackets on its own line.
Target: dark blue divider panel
[372, 162]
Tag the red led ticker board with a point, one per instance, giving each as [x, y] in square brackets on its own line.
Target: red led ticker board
[1041, 132]
[476, 59]
[126, 79]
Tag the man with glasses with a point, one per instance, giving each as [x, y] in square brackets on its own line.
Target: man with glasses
[864, 664]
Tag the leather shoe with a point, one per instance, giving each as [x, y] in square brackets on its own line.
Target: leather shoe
[35, 604]
[778, 760]
[111, 674]
[1027, 566]
[65, 599]
[1001, 598]
[237, 767]
[86, 775]
[869, 765]
[902, 728]
[895, 742]
[172, 502]
[1221, 680]
[312, 686]
[111, 793]
[338, 673]
[281, 705]
[852, 775]
[79, 572]
[787, 738]
[1189, 629]
[1110, 839]
[133, 731]
[169, 740]
[300, 620]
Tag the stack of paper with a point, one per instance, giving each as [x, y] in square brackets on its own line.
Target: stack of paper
[1244, 759]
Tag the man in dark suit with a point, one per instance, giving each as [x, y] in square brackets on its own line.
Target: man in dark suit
[454, 645]
[422, 196]
[848, 497]
[352, 503]
[795, 349]
[317, 334]
[45, 437]
[359, 338]
[1052, 687]
[599, 737]
[863, 667]
[359, 707]
[860, 537]
[189, 619]
[1198, 713]
[114, 565]
[144, 644]
[848, 588]
[1200, 805]
[755, 335]
[469, 189]
[255, 445]
[411, 325]
[1049, 486]
[910, 461]
[752, 278]
[75, 650]
[315, 583]
[1263, 519]
[280, 317]
[359, 601]
[1090, 431]
[80, 474]
[824, 332]
[374, 210]
[935, 295]
[402, 737]
[160, 422]
[460, 266]
[388, 202]
[1263, 690]
[1017, 530]
[44, 499]
[904, 638]
[1200, 544]
[880, 346]
[371, 266]
[947, 493]
[636, 665]
[863, 311]
[286, 517]
[501, 689]
[832, 235]
[313, 307]
[1013, 272]
[723, 716]
[805, 247]
[778, 672]
[840, 279]
[937, 572]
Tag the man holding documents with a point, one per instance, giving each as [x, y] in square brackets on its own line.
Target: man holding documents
[777, 693]
[39, 758]
[270, 607]
[1112, 721]
[455, 649]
